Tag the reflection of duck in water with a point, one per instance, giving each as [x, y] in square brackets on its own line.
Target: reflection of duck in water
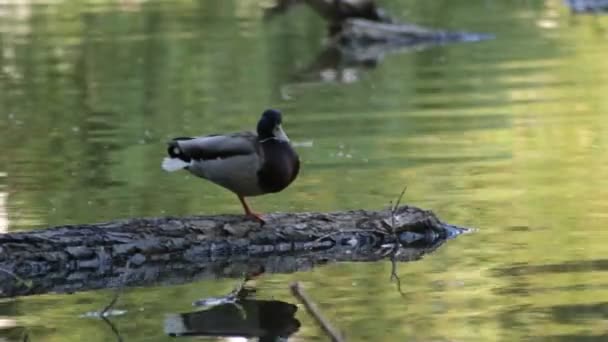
[245, 163]
[267, 319]
[335, 11]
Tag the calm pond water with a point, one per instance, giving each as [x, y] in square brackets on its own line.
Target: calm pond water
[508, 135]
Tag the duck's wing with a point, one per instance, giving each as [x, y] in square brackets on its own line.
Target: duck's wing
[214, 146]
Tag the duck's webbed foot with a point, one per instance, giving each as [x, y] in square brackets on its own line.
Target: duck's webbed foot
[250, 214]
[257, 217]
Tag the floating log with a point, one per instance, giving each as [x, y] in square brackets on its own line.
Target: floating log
[176, 250]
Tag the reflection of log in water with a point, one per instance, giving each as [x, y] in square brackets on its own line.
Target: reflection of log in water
[265, 319]
[177, 250]
[362, 22]
[361, 34]
[342, 64]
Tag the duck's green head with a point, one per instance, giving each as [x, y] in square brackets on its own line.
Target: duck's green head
[269, 126]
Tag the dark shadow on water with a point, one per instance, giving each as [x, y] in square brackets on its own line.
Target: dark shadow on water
[269, 320]
[579, 313]
[567, 267]
[573, 338]
[517, 289]
[15, 334]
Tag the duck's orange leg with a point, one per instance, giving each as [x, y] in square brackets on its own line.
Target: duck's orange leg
[250, 213]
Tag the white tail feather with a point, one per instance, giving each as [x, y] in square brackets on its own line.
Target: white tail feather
[173, 164]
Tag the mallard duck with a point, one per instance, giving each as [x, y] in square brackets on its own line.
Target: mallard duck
[246, 163]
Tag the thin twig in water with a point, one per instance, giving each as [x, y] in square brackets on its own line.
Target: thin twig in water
[239, 292]
[311, 308]
[394, 209]
[399, 199]
[108, 308]
[389, 227]
[113, 328]
[397, 245]
[394, 275]
[110, 305]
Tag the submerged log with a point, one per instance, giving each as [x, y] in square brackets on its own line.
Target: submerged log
[366, 32]
[587, 6]
[362, 45]
[362, 22]
[139, 252]
[361, 34]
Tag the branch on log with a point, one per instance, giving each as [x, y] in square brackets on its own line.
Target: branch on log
[176, 250]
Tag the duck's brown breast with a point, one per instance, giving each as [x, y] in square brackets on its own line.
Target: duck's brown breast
[281, 166]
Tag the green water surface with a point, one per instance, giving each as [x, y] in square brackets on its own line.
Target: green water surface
[508, 135]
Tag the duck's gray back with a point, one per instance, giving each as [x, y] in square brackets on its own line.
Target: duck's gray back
[231, 160]
[237, 174]
[219, 146]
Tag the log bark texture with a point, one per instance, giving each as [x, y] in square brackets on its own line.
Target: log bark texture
[177, 250]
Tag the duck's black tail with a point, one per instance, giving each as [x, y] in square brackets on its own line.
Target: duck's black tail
[177, 160]
[175, 151]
